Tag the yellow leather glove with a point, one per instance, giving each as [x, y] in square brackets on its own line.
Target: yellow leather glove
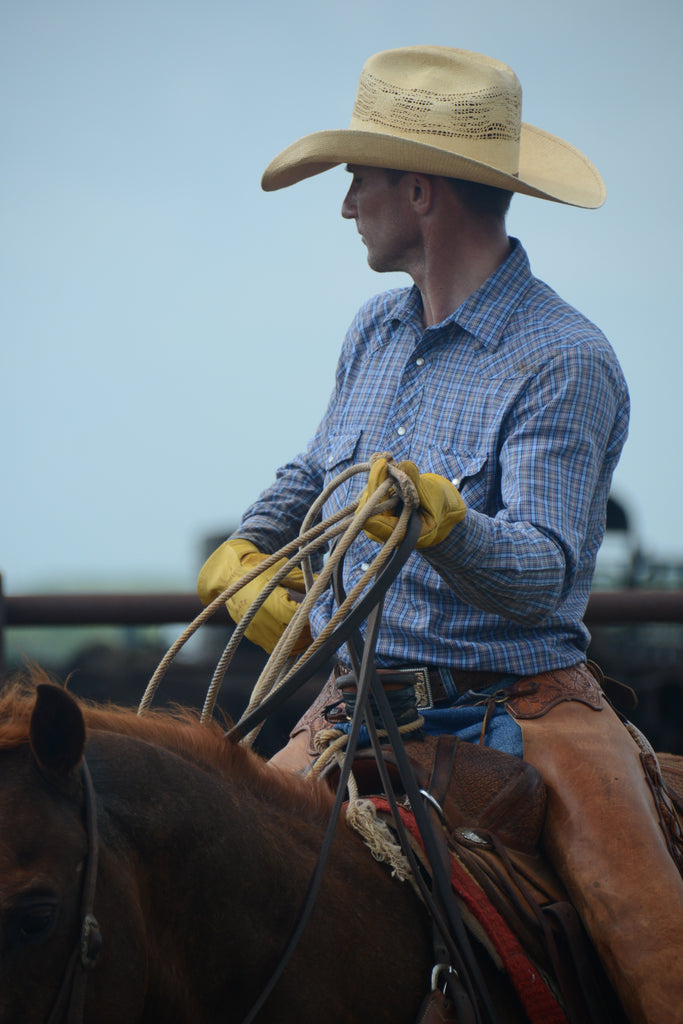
[441, 506]
[229, 563]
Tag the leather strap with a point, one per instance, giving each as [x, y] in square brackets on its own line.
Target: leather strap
[442, 769]
[372, 600]
[465, 982]
[70, 1003]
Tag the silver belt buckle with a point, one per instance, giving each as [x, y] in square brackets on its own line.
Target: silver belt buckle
[423, 691]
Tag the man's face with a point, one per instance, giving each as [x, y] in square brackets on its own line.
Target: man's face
[383, 217]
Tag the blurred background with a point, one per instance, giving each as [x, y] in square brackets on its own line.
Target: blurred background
[170, 332]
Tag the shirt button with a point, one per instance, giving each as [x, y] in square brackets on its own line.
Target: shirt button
[364, 566]
[401, 431]
[419, 361]
[456, 481]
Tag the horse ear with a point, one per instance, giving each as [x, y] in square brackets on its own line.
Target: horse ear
[57, 731]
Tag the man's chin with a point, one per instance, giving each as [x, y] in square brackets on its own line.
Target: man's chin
[379, 265]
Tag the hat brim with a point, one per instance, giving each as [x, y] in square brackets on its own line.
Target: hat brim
[549, 167]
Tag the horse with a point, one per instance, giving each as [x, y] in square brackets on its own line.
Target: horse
[205, 855]
[150, 870]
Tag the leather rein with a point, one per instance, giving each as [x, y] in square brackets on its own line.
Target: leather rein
[70, 1003]
[455, 963]
[450, 942]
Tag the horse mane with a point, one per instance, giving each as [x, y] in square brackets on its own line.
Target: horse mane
[177, 729]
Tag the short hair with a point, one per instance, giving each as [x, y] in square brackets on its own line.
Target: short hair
[484, 200]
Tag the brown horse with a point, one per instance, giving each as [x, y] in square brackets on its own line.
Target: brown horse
[205, 855]
[199, 856]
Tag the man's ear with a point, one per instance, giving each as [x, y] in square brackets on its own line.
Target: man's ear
[421, 192]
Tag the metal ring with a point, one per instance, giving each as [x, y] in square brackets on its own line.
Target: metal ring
[434, 803]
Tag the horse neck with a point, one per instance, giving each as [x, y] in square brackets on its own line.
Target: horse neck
[216, 843]
[204, 875]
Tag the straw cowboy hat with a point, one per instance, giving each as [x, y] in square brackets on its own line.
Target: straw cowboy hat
[447, 112]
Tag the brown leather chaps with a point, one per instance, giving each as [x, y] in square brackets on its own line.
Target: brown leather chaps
[603, 834]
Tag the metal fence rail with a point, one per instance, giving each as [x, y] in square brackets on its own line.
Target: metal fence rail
[148, 609]
[99, 609]
[649, 659]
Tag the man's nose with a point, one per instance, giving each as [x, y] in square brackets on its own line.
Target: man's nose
[349, 209]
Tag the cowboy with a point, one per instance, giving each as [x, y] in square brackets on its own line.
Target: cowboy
[508, 409]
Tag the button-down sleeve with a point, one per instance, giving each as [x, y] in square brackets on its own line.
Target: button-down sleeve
[563, 437]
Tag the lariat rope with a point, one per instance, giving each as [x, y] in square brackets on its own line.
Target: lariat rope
[331, 743]
[396, 494]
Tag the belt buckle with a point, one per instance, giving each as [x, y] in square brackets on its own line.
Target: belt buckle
[420, 677]
[423, 691]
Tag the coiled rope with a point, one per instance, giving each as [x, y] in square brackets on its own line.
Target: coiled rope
[396, 494]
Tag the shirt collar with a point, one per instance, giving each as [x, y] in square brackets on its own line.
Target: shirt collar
[485, 313]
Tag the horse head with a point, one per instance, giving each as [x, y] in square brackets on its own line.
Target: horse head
[43, 850]
[49, 935]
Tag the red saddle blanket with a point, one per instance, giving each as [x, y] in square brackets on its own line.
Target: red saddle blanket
[533, 990]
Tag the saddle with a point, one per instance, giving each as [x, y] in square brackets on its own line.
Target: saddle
[491, 811]
[478, 789]
[492, 807]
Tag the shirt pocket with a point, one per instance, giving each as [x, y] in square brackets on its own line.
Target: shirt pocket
[469, 471]
[342, 453]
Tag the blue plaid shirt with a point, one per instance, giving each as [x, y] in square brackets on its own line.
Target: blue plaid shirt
[519, 400]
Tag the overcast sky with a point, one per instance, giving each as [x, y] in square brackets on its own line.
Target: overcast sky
[170, 332]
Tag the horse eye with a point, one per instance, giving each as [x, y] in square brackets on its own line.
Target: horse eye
[33, 923]
[36, 921]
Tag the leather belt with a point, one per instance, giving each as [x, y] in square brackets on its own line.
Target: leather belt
[434, 687]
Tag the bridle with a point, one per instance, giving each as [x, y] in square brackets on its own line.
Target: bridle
[70, 1003]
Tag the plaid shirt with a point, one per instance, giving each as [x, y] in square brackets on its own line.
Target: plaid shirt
[519, 400]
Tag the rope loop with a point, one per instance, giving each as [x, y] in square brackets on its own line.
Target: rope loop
[331, 742]
[397, 494]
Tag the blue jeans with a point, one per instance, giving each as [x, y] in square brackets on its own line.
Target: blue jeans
[465, 716]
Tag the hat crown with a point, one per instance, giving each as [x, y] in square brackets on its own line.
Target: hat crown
[454, 99]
